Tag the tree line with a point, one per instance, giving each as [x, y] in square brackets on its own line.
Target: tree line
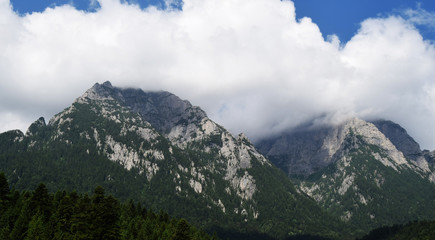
[39, 214]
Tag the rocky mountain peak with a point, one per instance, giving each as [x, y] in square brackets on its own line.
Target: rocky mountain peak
[162, 109]
[400, 138]
[243, 137]
[353, 167]
[107, 84]
[103, 91]
[35, 126]
[371, 135]
[304, 152]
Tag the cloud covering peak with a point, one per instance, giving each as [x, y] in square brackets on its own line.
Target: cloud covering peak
[250, 64]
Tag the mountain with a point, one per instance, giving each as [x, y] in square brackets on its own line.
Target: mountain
[368, 174]
[167, 154]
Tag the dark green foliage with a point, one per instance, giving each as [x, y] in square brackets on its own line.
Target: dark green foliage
[37, 229]
[295, 206]
[41, 215]
[40, 202]
[182, 231]
[104, 216]
[216, 139]
[4, 187]
[423, 230]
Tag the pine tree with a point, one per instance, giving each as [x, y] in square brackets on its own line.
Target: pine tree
[4, 188]
[105, 216]
[63, 216]
[182, 231]
[81, 220]
[40, 202]
[21, 224]
[37, 230]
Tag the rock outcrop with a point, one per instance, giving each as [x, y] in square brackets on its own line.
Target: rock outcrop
[357, 171]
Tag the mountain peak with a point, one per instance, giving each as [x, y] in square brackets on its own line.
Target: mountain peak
[400, 138]
[107, 84]
[305, 152]
[167, 151]
[35, 126]
[162, 109]
[104, 91]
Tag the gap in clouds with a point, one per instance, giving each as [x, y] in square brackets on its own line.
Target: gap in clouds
[26, 7]
[23, 7]
[343, 17]
[251, 65]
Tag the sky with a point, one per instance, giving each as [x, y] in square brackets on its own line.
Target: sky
[255, 66]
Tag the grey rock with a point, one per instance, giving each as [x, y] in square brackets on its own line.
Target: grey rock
[430, 157]
[163, 110]
[400, 138]
[298, 152]
[304, 151]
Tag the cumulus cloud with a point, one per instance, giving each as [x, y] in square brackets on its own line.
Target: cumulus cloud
[250, 64]
[420, 16]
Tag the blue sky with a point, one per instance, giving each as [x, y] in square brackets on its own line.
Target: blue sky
[342, 17]
[25, 6]
[339, 17]
[255, 66]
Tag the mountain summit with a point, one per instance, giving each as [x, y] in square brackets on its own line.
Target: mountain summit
[368, 174]
[167, 154]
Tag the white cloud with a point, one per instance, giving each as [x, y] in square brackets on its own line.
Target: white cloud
[420, 16]
[249, 63]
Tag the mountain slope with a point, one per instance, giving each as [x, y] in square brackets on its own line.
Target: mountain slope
[355, 172]
[166, 153]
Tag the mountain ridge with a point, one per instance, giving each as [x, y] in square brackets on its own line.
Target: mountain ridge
[188, 166]
[166, 153]
[362, 177]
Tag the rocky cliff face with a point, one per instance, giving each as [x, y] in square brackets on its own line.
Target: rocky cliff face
[298, 153]
[357, 172]
[400, 138]
[305, 152]
[163, 110]
[185, 126]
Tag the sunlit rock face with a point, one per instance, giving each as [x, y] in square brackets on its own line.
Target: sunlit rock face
[303, 152]
[356, 169]
[184, 125]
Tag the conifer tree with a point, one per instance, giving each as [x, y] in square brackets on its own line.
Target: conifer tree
[65, 211]
[40, 202]
[105, 216]
[37, 229]
[21, 224]
[81, 220]
[182, 231]
[78, 217]
[4, 187]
